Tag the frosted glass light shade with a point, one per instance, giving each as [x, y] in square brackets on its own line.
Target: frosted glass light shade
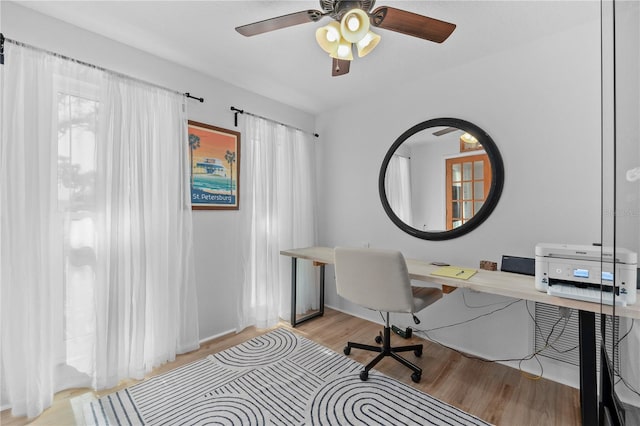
[367, 44]
[354, 25]
[343, 51]
[328, 37]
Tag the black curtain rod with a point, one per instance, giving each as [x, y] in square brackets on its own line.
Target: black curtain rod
[237, 111]
[3, 39]
[188, 95]
[1, 49]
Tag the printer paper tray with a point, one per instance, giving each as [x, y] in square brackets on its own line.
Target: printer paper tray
[584, 294]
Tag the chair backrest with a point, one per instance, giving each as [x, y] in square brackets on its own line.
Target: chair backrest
[374, 278]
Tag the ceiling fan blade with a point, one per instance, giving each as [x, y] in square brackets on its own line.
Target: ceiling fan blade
[412, 24]
[445, 131]
[339, 67]
[279, 22]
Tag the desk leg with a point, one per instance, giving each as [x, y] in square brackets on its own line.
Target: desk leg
[321, 307]
[294, 285]
[294, 282]
[588, 375]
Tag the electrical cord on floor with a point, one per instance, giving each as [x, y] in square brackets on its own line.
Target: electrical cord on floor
[534, 355]
[550, 345]
[617, 372]
[547, 344]
[624, 382]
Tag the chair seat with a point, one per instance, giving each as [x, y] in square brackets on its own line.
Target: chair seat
[425, 296]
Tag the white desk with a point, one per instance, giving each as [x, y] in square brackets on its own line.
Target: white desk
[503, 284]
[495, 282]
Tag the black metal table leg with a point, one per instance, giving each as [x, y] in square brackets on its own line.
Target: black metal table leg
[294, 285]
[294, 282]
[321, 307]
[588, 374]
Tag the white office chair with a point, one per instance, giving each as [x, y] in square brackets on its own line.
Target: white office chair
[379, 280]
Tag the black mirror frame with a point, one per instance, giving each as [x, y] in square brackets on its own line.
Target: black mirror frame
[497, 179]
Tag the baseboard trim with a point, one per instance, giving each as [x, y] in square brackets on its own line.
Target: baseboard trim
[344, 311]
[216, 336]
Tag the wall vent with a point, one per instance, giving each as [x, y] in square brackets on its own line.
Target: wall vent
[565, 348]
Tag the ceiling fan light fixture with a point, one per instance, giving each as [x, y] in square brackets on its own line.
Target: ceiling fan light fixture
[468, 138]
[367, 44]
[354, 25]
[328, 37]
[344, 51]
[351, 22]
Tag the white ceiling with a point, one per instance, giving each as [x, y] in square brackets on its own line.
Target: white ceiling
[288, 66]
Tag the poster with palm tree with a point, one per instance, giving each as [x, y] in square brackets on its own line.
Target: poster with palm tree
[214, 155]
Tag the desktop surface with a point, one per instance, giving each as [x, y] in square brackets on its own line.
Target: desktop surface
[495, 282]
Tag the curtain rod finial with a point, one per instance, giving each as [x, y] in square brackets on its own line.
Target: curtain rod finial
[236, 111]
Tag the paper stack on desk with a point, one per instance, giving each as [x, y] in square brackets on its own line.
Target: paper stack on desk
[455, 272]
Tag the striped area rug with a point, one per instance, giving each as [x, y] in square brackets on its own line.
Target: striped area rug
[278, 378]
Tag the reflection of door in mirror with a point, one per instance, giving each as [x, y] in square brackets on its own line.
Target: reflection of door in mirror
[468, 182]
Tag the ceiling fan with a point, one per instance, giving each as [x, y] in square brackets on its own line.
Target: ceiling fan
[352, 21]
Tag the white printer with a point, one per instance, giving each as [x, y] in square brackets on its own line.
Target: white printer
[582, 271]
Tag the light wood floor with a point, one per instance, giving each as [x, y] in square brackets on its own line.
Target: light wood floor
[493, 392]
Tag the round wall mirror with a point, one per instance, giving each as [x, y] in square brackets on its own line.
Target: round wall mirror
[441, 179]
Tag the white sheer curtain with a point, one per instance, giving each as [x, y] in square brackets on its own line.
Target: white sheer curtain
[278, 213]
[96, 238]
[398, 187]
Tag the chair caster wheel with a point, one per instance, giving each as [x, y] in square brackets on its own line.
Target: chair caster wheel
[378, 339]
[347, 350]
[418, 352]
[364, 375]
[415, 377]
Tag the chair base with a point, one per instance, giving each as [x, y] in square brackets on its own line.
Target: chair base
[387, 350]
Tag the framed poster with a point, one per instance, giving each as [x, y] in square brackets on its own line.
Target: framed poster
[214, 154]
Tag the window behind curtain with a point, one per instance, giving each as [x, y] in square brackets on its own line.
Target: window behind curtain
[97, 274]
[77, 121]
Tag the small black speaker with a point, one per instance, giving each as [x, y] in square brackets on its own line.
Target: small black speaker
[518, 265]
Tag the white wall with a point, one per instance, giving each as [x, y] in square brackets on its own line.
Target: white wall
[218, 269]
[541, 105]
